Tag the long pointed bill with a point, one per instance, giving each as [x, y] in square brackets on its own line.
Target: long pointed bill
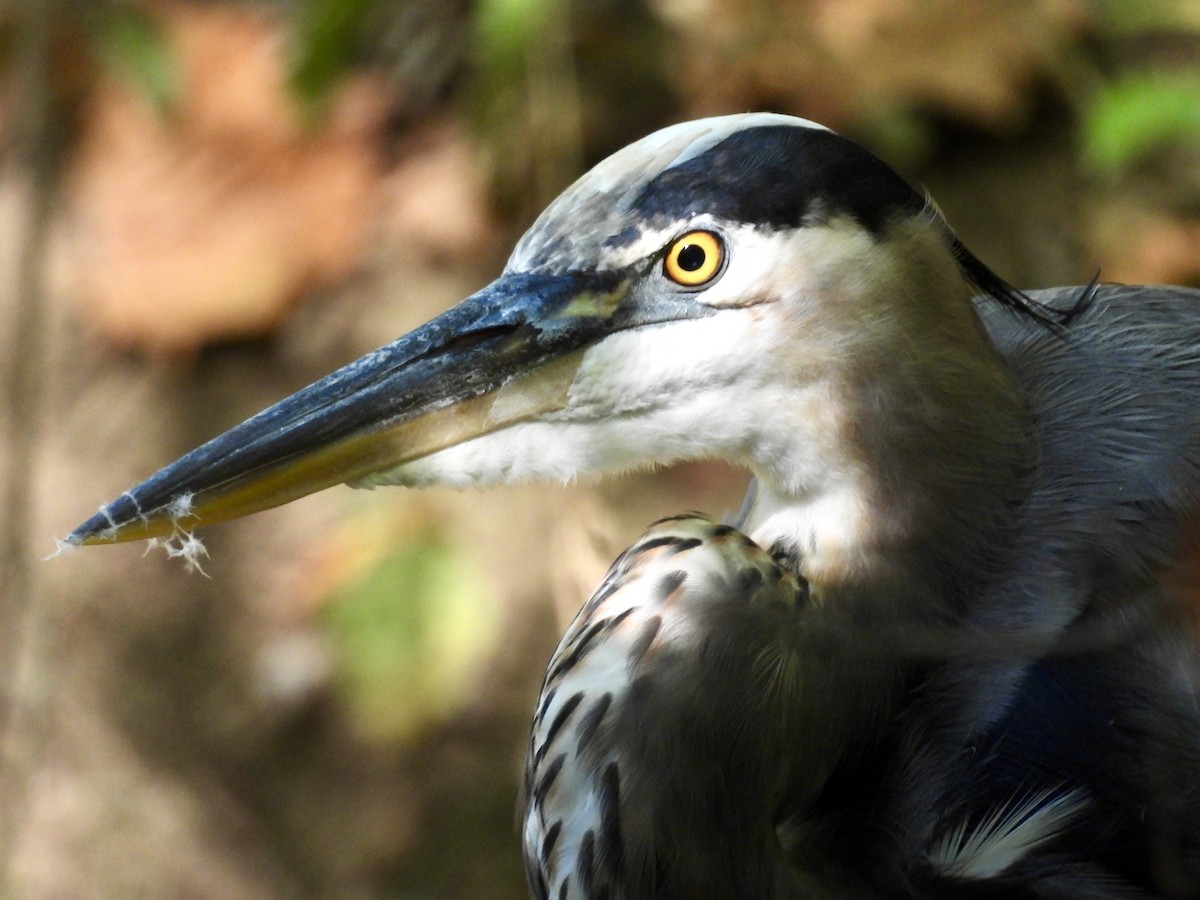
[505, 355]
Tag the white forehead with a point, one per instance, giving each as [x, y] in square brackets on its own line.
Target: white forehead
[676, 144]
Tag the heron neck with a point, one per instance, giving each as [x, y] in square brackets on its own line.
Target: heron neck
[918, 493]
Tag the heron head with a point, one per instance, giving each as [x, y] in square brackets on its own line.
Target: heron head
[697, 294]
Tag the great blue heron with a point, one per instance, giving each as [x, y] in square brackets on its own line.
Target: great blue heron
[942, 654]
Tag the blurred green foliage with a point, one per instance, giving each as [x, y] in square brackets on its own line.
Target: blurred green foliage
[506, 30]
[1141, 16]
[326, 38]
[410, 636]
[130, 43]
[1152, 102]
[1132, 117]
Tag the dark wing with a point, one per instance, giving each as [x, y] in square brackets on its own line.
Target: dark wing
[1115, 401]
[1091, 694]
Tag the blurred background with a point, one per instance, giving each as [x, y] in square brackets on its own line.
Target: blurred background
[206, 205]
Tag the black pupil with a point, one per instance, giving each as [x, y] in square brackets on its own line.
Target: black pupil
[691, 257]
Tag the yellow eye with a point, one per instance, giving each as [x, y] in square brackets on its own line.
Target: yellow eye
[694, 259]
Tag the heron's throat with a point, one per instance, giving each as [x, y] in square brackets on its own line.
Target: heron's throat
[917, 484]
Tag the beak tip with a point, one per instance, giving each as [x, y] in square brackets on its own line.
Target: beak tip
[99, 529]
[114, 523]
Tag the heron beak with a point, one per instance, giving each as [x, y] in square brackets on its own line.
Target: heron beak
[502, 356]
